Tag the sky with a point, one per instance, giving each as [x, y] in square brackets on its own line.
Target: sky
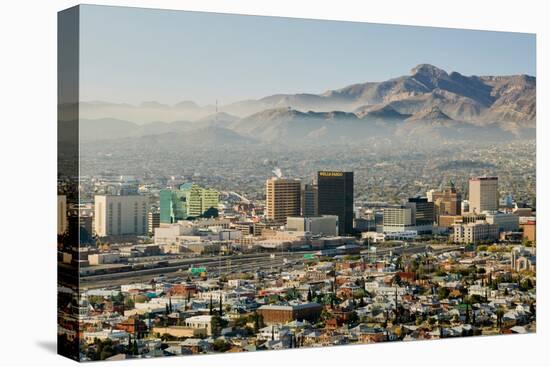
[131, 55]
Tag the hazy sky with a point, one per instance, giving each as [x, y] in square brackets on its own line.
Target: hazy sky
[133, 55]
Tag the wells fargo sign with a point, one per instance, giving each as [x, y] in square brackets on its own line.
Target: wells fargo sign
[331, 174]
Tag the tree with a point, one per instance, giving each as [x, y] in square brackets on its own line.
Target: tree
[399, 263]
[135, 350]
[359, 293]
[258, 322]
[128, 303]
[396, 307]
[240, 322]
[353, 318]
[217, 324]
[221, 345]
[320, 297]
[104, 349]
[526, 285]
[499, 314]
[397, 279]
[221, 306]
[129, 344]
[293, 341]
[292, 294]
[211, 306]
[442, 293]
[309, 295]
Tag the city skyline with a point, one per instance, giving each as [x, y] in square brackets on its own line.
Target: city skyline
[398, 204]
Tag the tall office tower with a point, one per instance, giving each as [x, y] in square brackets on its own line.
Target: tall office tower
[309, 200]
[199, 199]
[335, 197]
[282, 199]
[153, 221]
[424, 214]
[189, 200]
[446, 202]
[61, 214]
[483, 194]
[173, 206]
[119, 215]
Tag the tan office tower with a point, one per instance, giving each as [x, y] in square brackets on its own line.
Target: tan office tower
[282, 199]
[446, 201]
[483, 194]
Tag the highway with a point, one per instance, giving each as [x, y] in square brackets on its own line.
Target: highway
[236, 263]
[213, 265]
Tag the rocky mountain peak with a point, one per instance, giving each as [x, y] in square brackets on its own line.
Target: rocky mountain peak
[428, 70]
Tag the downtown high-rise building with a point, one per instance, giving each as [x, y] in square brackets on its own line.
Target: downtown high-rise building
[335, 197]
[283, 199]
[120, 215]
[310, 206]
[483, 194]
[447, 202]
[400, 218]
[200, 199]
[172, 206]
[423, 214]
[153, 221]
[187, 201]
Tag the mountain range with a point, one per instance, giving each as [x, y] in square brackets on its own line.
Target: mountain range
[428, 103]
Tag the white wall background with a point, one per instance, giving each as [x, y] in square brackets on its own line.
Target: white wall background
[28, 179]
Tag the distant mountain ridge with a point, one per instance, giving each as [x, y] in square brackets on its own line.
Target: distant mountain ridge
[429, 102]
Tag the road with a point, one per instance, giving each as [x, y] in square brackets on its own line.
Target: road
[213, 265]
[235, 263]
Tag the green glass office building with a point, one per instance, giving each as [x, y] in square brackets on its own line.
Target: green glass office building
[189, 200]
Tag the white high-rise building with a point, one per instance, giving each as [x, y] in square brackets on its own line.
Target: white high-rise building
[399, 219]
[119, 215]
